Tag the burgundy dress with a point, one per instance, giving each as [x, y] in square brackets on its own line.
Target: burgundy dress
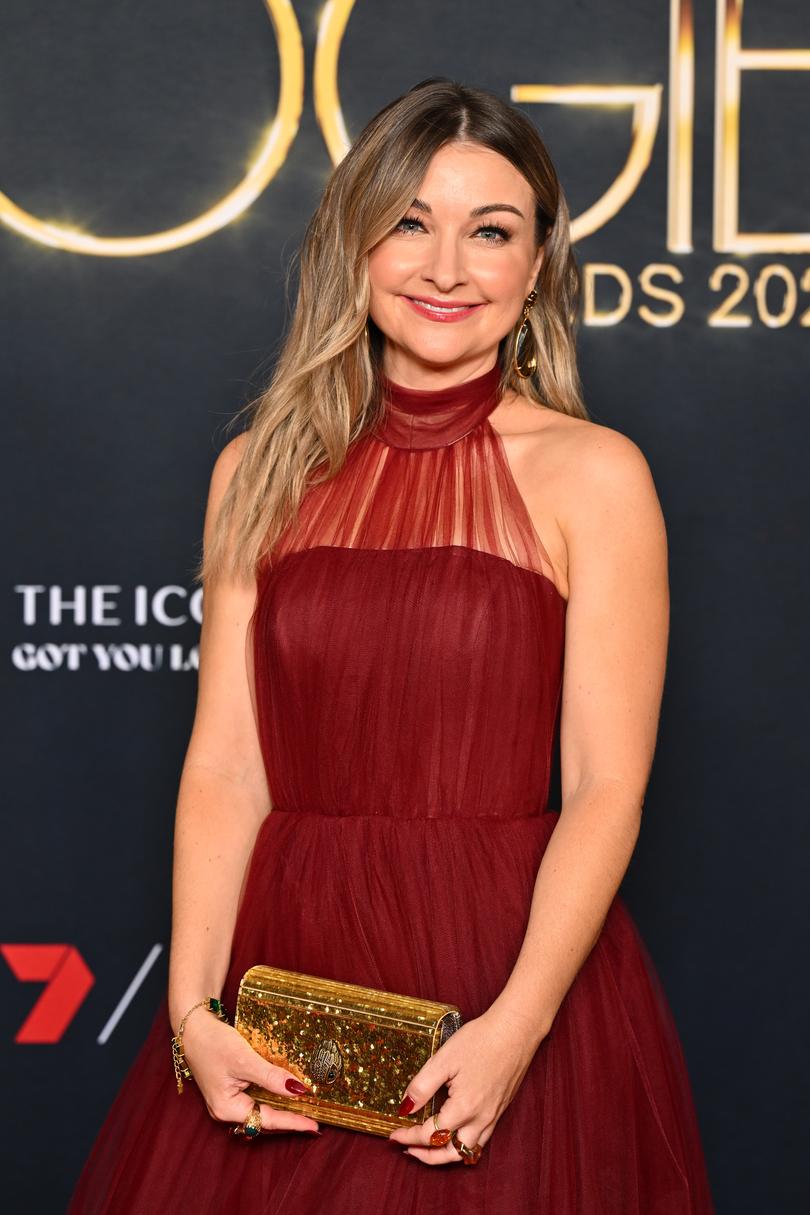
[407, 648]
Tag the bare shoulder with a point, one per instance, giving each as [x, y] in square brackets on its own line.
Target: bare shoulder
[615, 534]
[577, 478]
[607, 473]
[222, 473]
[605, 460]
[226, 464]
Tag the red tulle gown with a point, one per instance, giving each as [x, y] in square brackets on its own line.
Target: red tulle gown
[408, 654]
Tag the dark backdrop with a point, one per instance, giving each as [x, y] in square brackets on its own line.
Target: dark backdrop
[121, 365]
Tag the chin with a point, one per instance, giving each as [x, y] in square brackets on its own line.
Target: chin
[435, 356]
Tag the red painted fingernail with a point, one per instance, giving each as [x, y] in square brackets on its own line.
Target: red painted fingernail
[407, 1105]
[295, 1086]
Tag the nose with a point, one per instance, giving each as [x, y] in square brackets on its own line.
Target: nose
[444, 262]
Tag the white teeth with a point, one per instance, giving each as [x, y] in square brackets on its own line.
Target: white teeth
[437, 308]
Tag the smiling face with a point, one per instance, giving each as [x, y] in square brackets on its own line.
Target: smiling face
[480, 266]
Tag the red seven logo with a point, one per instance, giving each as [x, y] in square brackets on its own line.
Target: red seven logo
[69, 980]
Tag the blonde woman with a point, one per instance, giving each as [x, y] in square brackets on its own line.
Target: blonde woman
[423, 564]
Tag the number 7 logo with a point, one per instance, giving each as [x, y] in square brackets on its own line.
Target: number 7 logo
[68, 981]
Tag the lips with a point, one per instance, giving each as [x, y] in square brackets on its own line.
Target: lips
[441, 310]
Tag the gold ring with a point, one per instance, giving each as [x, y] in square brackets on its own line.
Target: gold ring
[252, 1125]
[468, 1155]
[439, 1138]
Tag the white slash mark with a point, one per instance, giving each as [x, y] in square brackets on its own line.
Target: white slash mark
[129, 994]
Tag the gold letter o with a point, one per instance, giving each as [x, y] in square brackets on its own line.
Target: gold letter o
[265, 165]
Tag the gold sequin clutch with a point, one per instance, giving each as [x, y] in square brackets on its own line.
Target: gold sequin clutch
[356, 1047]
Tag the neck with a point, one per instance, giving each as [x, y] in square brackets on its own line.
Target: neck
[420, 377]
[435, 417]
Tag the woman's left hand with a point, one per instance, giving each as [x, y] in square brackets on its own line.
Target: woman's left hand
[483, 1064]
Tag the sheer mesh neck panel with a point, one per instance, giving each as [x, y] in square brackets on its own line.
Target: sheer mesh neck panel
[388, 497]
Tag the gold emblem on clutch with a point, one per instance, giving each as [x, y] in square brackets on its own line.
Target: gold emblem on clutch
[326, 1062]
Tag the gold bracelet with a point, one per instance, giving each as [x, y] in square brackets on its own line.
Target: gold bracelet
[181, 1067]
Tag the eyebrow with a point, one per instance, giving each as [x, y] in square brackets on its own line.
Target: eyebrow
[421, 205]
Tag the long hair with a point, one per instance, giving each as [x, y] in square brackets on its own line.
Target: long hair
[325, 389]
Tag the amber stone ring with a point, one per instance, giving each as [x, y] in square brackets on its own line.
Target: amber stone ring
[439, 1138]
[468, 1155]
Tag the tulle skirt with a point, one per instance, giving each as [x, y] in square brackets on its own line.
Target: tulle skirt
[602, 1124]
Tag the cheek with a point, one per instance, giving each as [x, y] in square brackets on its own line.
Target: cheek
[502, 277]
[388, 266]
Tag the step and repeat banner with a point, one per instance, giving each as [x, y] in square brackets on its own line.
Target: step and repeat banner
[159, 163]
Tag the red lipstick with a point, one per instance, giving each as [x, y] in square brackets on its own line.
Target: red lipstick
[445, 311]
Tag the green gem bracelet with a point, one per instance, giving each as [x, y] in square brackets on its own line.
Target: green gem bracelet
[181, 1068]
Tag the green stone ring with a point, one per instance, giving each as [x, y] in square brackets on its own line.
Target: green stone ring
[252, 1125]
[253, 1122]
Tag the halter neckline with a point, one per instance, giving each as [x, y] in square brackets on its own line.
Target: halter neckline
[418, 418]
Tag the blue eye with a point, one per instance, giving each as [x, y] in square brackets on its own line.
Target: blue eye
[501, 234]
[400, 226]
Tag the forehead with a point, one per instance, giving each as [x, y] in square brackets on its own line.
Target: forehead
[469, 175]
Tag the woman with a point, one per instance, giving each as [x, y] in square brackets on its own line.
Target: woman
[418, 535]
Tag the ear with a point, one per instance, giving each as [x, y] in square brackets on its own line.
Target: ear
[535, 270]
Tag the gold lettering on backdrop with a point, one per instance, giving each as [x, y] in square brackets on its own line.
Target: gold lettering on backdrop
[602, 318]
[779, 278]
[334, 18]
[592, 315]
[661, 320]
[681, 128]
[263, 165]
[732, 61]
[644, 99]
[724, 318]
[646, 102]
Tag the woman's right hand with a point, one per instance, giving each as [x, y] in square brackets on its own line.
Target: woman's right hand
[223, 1064]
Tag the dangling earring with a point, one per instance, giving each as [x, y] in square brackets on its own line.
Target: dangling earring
[525, 367]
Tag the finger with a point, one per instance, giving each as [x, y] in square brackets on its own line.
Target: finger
[434, 1155]
[421, 1132]
[250, 1068]
[448, 1154]
[418, 1135]
[256, 1070]
[271, 1118]
[425, 1084]
[274, 1079]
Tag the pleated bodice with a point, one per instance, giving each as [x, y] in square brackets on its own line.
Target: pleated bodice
[408, 633]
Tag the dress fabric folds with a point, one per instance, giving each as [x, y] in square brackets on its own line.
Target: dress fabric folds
[405, 659]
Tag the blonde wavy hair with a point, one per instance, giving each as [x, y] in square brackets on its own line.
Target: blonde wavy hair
[324, 389]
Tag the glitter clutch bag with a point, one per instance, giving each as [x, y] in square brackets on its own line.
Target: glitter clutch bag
[356, 1047]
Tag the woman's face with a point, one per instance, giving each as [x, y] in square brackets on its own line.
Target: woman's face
[441, 253]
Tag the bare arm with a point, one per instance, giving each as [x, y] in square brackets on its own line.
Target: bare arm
[223, 795]
[617, 630]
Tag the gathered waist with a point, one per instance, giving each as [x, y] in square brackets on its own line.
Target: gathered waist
[492, 816]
